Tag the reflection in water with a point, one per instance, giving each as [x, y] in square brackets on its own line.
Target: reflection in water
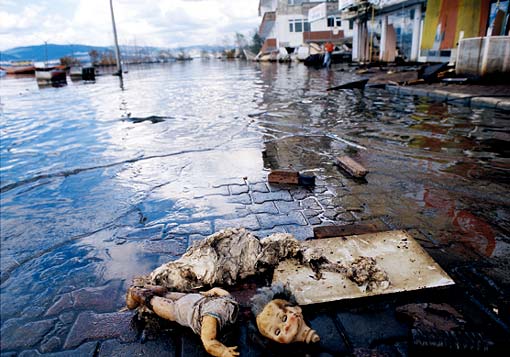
[102, 183]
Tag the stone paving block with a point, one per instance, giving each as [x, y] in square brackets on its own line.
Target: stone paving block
[259, 187]
[311, 203]
[194, 238]
[173, 246]
[52, 345]
[63, 303]
[86, 350]
[314, 221]
[270, 221]
[242, 198]
[259, 197]
[371, 328]
[286, 207]
[266, 207]
[191, 345]
[267, 232]
[300, 232]
[17, 333]
[238, 189]
[309, 213]
[248, 222]
[332, 340]
[201, 227]
[99, 299]
[162, 347]
[92, 326]
[200, 192]
[301, 193]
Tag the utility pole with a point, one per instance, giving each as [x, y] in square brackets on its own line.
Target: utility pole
[117, 51]
[46, 53]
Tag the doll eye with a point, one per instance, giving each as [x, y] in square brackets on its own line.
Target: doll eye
[277, 332]
[284, 318]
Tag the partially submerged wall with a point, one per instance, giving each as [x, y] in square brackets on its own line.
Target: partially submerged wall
[484, 56]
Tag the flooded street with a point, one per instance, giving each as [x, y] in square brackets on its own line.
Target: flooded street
[100, 184]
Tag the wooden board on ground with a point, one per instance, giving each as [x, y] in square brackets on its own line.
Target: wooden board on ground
[352, 167]
[408, 267]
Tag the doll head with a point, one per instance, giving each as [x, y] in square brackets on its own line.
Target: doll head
[278, 318]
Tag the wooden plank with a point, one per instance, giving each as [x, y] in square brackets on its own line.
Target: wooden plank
[346, 230]
[351, 166]
[283, 176]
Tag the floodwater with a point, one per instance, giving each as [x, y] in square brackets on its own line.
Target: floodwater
[94, 178]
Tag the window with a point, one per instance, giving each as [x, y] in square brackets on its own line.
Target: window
[351, 24]
[334, 21]
[299, 25]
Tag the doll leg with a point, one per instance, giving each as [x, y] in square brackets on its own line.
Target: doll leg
[163, 307]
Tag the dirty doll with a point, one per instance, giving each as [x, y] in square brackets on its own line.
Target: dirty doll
[206, 313]
[209, 312]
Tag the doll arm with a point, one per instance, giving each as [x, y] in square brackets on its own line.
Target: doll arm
[211, 344]
[215, 292]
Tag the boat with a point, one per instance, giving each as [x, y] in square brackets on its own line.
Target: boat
[50, 75]
[20, 67]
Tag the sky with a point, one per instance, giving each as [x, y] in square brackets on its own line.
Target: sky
[162, 23]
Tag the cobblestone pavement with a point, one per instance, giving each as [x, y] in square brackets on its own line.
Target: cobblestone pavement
[76, 231]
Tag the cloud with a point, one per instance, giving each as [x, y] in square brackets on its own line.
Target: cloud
[165, 23]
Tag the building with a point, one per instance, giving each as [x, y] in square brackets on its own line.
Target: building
[384, 30]
[287, 23]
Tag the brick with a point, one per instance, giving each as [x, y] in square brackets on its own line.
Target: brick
[51, 345]
[92, 326]
[163, 346]
[259, 197]
[352, 167]
[63, 303]
[345, 230]
[242, 198]
[16, 333]
[283, 176]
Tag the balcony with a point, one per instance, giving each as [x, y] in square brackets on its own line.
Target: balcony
[323, 36]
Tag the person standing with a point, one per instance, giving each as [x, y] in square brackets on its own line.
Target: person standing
[328, 49]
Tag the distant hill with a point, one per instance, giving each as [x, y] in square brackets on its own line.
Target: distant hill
[37, 53]
[55, 52]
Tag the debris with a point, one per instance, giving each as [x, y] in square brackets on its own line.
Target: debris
[283, 176]
[351, 85]
[437, 316]
[454, 341]
[354, 252]
[351, 166]
[344, 230]
[430, 73]
[290, 177]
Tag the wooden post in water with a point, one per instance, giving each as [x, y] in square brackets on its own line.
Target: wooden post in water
[117, 51]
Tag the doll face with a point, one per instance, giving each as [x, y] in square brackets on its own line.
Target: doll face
[280, 322]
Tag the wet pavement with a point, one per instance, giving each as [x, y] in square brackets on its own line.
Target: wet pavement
[100, 184]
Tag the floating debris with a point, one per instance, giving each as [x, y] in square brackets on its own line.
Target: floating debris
[352, 167]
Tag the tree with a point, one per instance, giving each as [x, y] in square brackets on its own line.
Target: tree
[69, 61]
[256, 42]
[94, 56]
[240, 40]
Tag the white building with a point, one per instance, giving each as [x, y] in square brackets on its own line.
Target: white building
[287, 23]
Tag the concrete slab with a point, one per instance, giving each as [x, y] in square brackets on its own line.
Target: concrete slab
[408, 267]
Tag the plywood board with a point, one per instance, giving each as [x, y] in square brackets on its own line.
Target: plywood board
[408, 266]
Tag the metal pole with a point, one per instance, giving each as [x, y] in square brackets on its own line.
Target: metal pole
[117, 51]
[46, 53]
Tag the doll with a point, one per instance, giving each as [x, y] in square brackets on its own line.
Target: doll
[206, 313]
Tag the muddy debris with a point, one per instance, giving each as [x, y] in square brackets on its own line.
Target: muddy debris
[354, 168]
[290, 177]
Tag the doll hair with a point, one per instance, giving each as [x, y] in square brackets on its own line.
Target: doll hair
[266, 294]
